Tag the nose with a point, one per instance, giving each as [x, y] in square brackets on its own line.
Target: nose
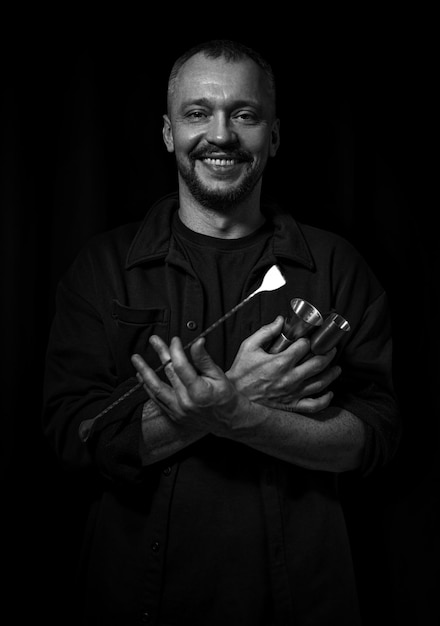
[220, 131]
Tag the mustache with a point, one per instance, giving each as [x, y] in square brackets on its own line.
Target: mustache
[204, 153]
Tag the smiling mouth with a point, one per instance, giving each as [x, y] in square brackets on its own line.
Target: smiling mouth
[220, 162]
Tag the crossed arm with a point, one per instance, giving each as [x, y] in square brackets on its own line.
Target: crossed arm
[274, 403]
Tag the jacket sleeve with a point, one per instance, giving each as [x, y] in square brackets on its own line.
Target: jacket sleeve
[81, 381]
[365, 387]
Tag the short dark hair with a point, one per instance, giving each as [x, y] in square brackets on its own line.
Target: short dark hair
[228, 49]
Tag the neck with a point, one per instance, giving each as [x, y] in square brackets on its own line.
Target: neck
[232, 223]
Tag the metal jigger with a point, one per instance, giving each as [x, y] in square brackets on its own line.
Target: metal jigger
[304, 319]
[331, 331]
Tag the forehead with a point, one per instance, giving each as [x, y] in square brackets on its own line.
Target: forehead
[221, 80]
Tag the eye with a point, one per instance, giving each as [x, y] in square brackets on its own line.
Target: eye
[248, 117]
[196, 115]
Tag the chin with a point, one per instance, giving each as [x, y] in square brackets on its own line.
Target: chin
[221, 200]
[219, 197]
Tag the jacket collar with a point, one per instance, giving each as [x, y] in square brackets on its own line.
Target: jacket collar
[153, 238]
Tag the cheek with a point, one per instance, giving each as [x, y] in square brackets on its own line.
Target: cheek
[187, 140]
[262, 152]
[257, 143]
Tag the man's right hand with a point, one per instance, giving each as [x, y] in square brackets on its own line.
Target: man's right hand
[284, 378]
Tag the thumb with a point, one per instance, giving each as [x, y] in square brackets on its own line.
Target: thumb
[203, 361]
[266, 333]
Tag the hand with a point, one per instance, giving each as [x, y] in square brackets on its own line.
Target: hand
[284, 378]
[198, 395]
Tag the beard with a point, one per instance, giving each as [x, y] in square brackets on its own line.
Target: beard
[218, 199]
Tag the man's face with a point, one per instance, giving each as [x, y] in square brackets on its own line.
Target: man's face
[221, 125]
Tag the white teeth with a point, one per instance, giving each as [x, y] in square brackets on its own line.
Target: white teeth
[221, 162]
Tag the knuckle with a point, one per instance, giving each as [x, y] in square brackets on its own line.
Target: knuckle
[303, 343]
[336, 372]
[186, 403]
[321, 383]
[205, 361]
[246, 343]
[317, 364]
[152, 386]
[170, 372]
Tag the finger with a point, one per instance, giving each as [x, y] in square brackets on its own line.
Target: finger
[161, 348]
[139, 364]
[204, 362]
[187, 385]
[161, 393]
[204, 365]
[183, 369]
[156, 399]
[173, 374]
[315, 364]
[165, 354]
[313, 405]
[319, 383]
[146, 375]
[266, 333]
[297, 350]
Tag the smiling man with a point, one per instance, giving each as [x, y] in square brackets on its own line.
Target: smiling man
[222, 127]
[218, 479]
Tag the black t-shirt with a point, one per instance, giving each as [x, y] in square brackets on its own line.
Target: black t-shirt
[222, 266]
[216, 561]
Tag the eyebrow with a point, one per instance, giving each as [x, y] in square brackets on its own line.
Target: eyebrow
[206, 102]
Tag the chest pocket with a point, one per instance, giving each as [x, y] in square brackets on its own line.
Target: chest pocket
[134, 327]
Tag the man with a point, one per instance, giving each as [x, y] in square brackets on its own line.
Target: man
[218, 476]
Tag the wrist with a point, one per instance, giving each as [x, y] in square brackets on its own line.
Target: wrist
[235, 379]
[238, 413]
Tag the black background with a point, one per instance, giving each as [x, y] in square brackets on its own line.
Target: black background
[82, 151]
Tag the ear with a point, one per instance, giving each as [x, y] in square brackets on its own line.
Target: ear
[167, 134]
[274, 138]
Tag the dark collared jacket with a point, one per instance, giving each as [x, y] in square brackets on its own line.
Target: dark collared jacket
[133, 282]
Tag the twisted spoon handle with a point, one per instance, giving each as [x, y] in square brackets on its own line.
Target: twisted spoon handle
[86, 426]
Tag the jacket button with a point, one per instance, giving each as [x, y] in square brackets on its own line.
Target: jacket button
[167, 471]
[155, 546]
[145, 618]
[191, 325]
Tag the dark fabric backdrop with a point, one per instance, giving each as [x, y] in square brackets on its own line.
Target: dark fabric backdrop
[82, 151]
